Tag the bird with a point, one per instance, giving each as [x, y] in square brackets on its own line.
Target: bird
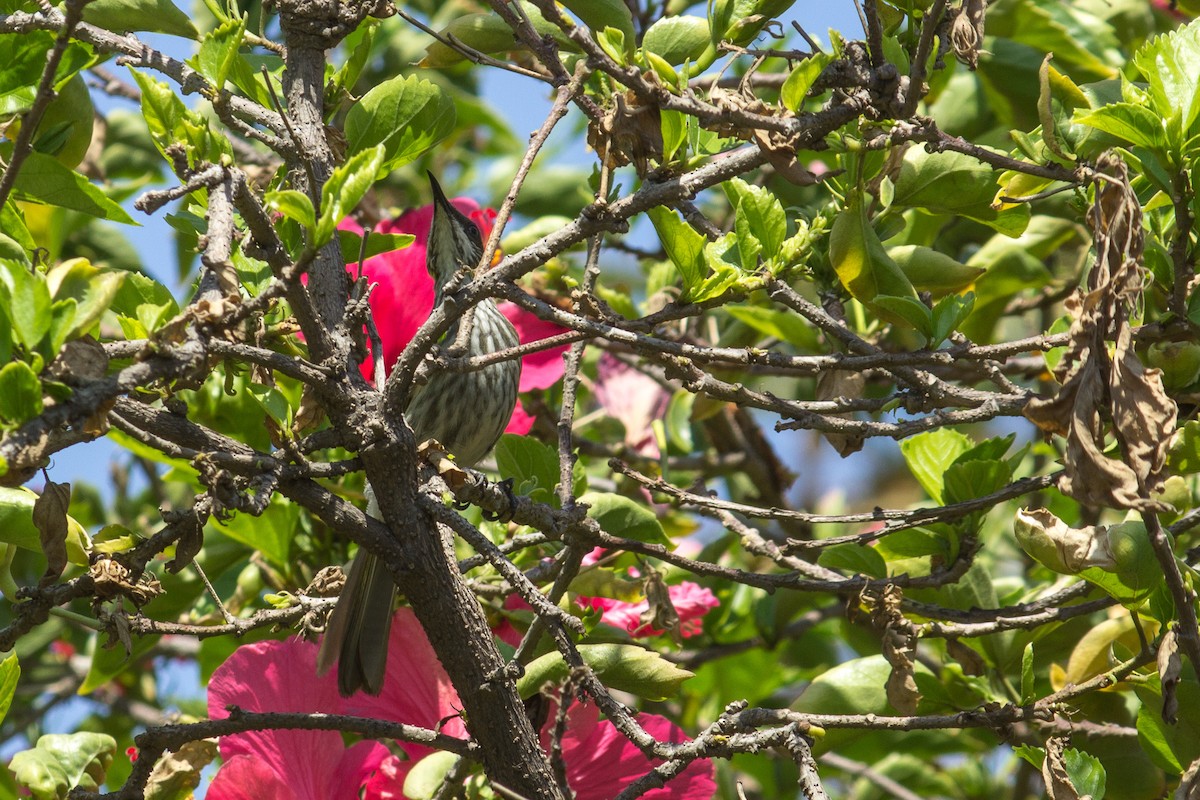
[464, 411]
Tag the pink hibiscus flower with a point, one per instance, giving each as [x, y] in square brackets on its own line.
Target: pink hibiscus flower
[403, 300]
[283, 764]
[691, 600]
[633, 398]
[600, 761]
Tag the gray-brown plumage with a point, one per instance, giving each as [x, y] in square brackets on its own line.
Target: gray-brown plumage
[465, 411]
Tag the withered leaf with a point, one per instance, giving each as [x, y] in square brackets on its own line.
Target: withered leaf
[310, 413]
[1189, 783]
[835, 384]
[119, 632]
[178, 772]
[660, 613]
[80, 360]
[1170, 667]
[97, 422]
[191, 539]
[1054, 772]
[971, 662]
[899, 649]
[1103, 394]
[966, 32]
[50, 518]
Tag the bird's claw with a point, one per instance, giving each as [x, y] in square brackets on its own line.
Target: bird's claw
[507, 486]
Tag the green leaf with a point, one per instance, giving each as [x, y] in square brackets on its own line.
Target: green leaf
[1133, 123]
[139, 290]
[17, 528]
[10, 673]
[407, 115]
[345, 188]
[170, 122]
[295, 205]
[1184, 455]
[621, 516]
[801, 80]
[855, 559]
[684, 246]
[906, 310]
[955, 184]
[863, 265]
[425, 778]
[601, 14]
[930, 454]
[852, 687]
[532, 465]
[20, 393]
[219, 50]
[623, 667]
[948, 314]
[783, 325]
[43, 180]
[612, 42]
[61, 762]
[968, 480]
[1085, 771]
[1171, 65]
[358, 43]
[377, 243]
[679, 420]
[1033, 755]
[674, 132]
[489, 33]
[1027, 688]
[93, 289]
[759, 219]
[155, 16]
[271, 533]
[1172, 747]
[28, 303]
[677, 39]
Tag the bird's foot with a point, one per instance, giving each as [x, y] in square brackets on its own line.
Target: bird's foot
[507, 486]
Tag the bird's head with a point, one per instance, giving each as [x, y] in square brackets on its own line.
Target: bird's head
[454, 240]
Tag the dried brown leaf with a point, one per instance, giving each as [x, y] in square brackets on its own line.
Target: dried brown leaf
[966, 32]
[660, 614]
[1103, 395]
[899, 649]
[1189, 783]
[1170, 667]
[50, 518]
[80, 360]
[96, 423]
[1143, 415]
[971, 662]
[1054, 772]
[310, 413]
[177, 772]
[189, 542]
[112, 579]
[834, 385]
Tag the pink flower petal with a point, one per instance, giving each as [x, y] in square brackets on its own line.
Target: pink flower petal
[521, 421]
[282, 676]
[691, 600]
[416, 690]
[247, 778]
[634, 398]
[388, 781]
[601, 761]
